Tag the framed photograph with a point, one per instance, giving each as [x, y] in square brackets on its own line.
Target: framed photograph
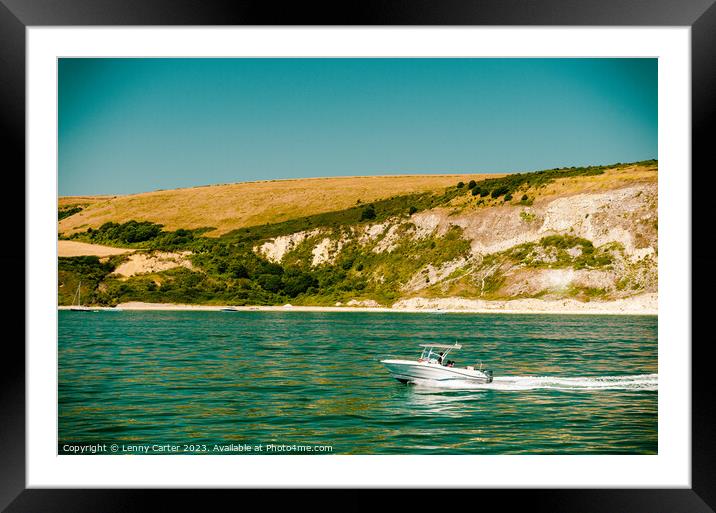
[444, 247]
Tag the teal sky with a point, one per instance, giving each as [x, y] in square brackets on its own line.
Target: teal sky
[135, 125]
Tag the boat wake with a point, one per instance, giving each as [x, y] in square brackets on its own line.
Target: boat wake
[647, 382]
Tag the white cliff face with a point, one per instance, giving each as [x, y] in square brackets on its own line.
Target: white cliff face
[321, 252]
[602, 217]
[626, 216]
[326, 251]
[275, 249]
[392, 237]
[372, 232]
[426, 223]
[431, 274]
[642, 253]
[622, 215]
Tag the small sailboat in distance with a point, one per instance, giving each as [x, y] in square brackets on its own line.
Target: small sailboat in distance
[78, 307]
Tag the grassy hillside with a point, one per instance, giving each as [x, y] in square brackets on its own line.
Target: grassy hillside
[70, 205]
[233, 206]
[585, 233]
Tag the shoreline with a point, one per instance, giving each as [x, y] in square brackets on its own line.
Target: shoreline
[638, 305]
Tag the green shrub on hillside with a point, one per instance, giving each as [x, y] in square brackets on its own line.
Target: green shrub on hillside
[140, 234]
[559, 251]
[65, 212]
[527, 216]
[129, 232]
[499, 191]
[509, 184]
[564, 242]
[89, 267]
[368, 213]
[269, 282]
[296, 283]
[85, 270]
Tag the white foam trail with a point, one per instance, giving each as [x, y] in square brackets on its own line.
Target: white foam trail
[516, 383]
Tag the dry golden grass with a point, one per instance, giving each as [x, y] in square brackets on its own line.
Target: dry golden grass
[70, 201]
[232, 206]
[614, 178]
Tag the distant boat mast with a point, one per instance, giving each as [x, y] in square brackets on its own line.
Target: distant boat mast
[78, 296]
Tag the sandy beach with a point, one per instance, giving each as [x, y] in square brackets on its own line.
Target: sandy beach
[645, 304]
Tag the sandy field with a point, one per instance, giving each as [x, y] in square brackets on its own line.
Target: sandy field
[72, 248]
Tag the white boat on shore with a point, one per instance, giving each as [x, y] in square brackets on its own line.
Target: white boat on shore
[433, 365]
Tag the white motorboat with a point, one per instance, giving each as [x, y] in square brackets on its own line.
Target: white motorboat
[433, 365]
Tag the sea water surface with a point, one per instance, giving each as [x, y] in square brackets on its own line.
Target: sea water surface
[564, 384]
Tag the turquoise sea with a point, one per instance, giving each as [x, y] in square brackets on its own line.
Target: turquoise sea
[241, 382]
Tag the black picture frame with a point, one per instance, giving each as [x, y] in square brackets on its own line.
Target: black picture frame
[700, 15]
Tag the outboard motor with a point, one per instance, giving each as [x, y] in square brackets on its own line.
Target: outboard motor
[488, 373]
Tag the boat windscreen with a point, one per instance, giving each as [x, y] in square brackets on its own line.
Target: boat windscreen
[441, 346]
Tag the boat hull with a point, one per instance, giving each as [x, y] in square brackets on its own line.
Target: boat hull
[407, 371]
